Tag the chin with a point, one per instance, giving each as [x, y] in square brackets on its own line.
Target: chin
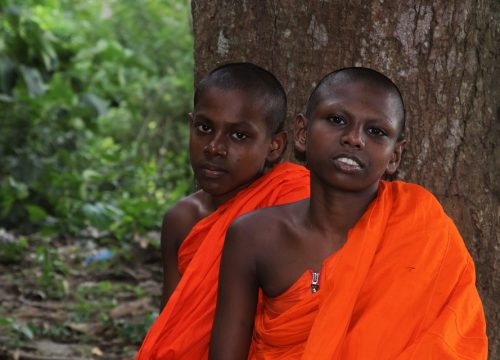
[213, 189]
[348, 184]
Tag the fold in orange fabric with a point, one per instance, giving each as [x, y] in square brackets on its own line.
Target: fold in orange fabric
[401, 287]
[182, 331]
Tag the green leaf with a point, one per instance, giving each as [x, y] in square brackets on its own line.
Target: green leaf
[25, 330]
[33, 80]
[7, 76]
[36, 213]
[98, 105]
[21, 189]
[90, 175]
[101, 215]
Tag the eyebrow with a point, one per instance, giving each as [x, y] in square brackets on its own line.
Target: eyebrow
[242, 123]
[340, 108]
[198, 116]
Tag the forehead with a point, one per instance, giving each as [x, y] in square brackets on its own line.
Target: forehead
[375, 99]
[231, 106]
[232, 103]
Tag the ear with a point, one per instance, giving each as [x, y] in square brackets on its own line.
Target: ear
[395, 158]
[300, 133]
[276, 147]
[190, 118]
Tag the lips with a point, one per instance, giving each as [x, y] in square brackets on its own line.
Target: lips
[212, 171]
[347, 163]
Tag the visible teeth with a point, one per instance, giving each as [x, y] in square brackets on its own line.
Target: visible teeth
[348, 161]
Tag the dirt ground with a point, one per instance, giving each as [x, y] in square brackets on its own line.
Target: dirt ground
[76, 298]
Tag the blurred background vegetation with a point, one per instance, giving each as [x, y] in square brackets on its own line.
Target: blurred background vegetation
[93, 98]
[93, 150]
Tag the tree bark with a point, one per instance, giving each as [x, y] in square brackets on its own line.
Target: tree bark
[442, 54]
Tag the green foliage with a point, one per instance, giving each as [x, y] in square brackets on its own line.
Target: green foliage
[51, 280]
[13, 333]
[93, 98]
[12, 250]
[134, 332]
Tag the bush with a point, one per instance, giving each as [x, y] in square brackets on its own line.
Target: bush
[94, 97]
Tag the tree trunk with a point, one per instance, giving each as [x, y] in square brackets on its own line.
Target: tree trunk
[442, 54]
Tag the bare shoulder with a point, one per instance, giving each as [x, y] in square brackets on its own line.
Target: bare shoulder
[262, 227]
[183, 215]
[268, 242]
[177, 224]
[191, 206]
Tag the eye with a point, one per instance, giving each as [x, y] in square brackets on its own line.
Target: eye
[203, 128]
[239, 136]
[376, 131]
[337, 120]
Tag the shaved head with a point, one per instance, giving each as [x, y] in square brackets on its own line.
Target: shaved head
[257, 83]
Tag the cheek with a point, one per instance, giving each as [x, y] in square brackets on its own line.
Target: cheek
[194, 148]
[321, 135]
[386, 154]
[197, 141]
[318, 147]
[250, 160]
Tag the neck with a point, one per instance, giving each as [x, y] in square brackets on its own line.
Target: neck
[333, 211]
[216, 201]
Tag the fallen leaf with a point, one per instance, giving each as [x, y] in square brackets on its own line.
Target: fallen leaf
[129, 308]
[97, 352]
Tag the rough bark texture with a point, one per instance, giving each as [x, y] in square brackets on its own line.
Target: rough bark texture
[443, 54]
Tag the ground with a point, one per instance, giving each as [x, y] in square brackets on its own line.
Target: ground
[78, 297]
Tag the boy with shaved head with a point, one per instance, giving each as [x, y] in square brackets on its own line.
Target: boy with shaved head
[364, 268]
[236, 142]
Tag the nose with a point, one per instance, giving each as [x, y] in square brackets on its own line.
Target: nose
[216, 147]
[353, 136]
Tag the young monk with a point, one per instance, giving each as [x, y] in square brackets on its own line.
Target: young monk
[364, 269]
[236, 136]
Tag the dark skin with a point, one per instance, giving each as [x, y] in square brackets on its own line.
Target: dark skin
[229, 145]
[351, 140]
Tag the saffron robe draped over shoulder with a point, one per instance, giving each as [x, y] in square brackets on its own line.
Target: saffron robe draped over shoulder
[182, 331]
[401, 287]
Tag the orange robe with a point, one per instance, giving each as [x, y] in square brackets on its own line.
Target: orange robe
[182, 331]
[401, 287]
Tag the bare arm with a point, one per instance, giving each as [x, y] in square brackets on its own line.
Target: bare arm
[171, 275]
[237, 297]
[177, 224]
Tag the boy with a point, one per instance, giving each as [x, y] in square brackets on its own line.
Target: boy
[236, 135]
[364, 269]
